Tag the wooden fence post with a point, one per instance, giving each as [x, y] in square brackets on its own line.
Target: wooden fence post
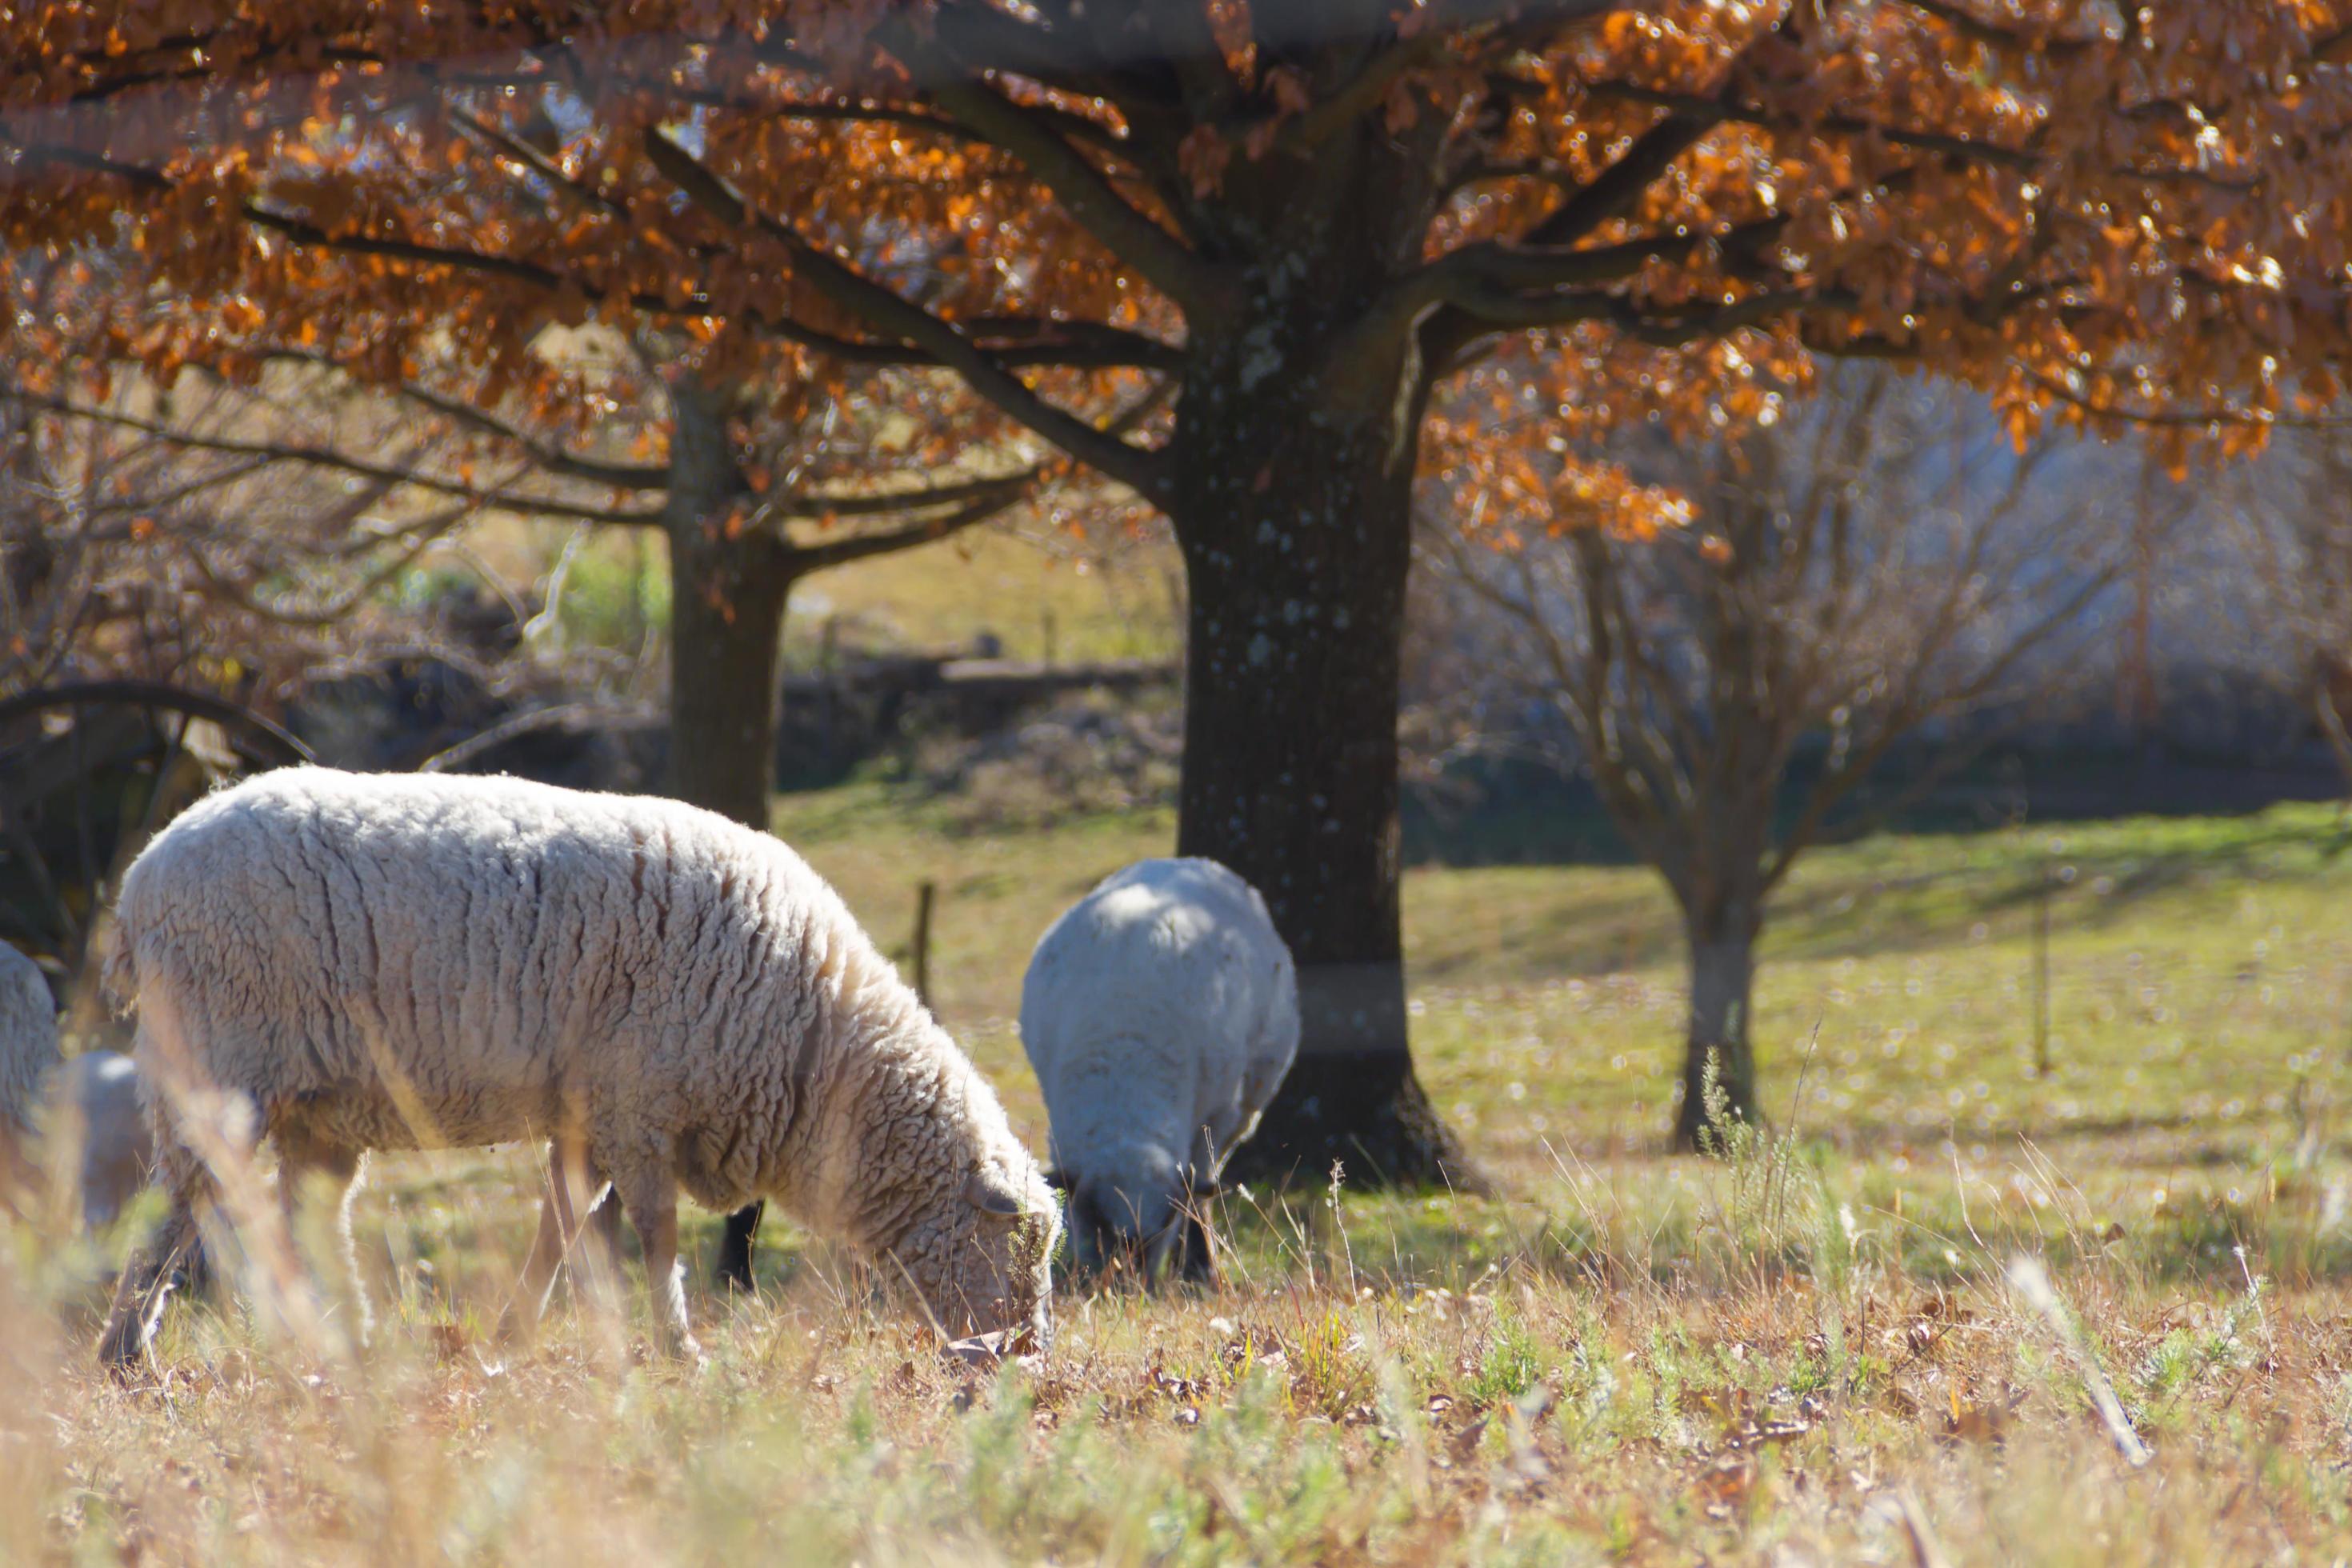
[2041, 976]
[924, 894]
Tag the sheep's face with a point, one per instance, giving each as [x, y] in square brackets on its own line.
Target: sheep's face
[1133, 1215]
[995, 1273]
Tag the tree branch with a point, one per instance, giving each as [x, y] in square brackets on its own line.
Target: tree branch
[995, 39]
[241, 594]
[809, 558]
[1143, 471]
[545, 456]
[2189, 418]
[1363, 94]
[317, 457]
[980, 499]
[1615, 189]
[1526, 266]
[515, 150]
[1497, 309]
[1081, 345]
[1691, 104]
[1978, 31]
[883, 503]
[1081, 189]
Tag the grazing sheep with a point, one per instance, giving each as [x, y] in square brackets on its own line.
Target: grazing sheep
[1161, 1013]
[397, 962]
[29, 1052]
[100, 1090]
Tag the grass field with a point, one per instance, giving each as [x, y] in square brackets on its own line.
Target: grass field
[1042, 594]
[1810, 1354]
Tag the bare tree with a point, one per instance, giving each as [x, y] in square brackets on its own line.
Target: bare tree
[2293, 507]
[1862, 572]
[131, 553]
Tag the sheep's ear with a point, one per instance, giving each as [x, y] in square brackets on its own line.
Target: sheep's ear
[989, 1197]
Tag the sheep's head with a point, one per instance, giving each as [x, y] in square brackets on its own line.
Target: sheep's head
[988, 1269]
[932, 1180]
[1136, 1212]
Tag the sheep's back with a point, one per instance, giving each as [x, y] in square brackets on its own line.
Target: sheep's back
[501, 944]
[29, 1038]
[1158, 982]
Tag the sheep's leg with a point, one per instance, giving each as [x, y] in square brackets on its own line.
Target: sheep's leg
[528, 1304]
[1195, 1262]
[145, 1285]
[305, 1163]
[571, 1184]
[603, 1223]
[338, 1170]
[349, 1244]
[735, 1248]
[650, 1194]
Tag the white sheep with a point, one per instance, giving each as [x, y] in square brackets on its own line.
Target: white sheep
[1161, 1013]
[397, 961]
[28, 1054]
[99, 1090]
[96, 1092]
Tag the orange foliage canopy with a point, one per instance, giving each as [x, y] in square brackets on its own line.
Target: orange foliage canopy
[2071, 204]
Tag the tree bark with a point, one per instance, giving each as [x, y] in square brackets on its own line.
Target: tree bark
[1292, 506]
[728, 592]
[1722, 944]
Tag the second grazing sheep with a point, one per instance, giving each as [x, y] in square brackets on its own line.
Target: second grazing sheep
[99, 1091]
[96, 1093]
[1161, 1013]
[28, 1053]
[397, 961]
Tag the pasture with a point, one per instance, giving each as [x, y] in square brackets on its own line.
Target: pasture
[1809, 1353]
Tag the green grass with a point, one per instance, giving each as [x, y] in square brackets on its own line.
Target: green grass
[1621, 1357]
[2201, 979]
[1075, 600]
[1040, 593]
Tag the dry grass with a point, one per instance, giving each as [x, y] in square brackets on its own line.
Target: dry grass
[1811, 1355]
[1770, 1389]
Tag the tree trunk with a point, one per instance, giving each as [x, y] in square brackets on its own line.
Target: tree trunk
[1292, 506]
[727, 595]
[1722, 942]
[729, 589]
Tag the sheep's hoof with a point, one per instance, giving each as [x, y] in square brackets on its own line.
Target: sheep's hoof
[979, 1350]
[122, 1351]
[990, 1351]
[129, 1330]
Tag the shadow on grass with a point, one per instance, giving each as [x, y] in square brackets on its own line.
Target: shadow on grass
[1519, 814]
[1937, 871]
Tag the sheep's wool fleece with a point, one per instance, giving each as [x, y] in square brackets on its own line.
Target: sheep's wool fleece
[1161, 1013]
[406, 961]
[29, 1038]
